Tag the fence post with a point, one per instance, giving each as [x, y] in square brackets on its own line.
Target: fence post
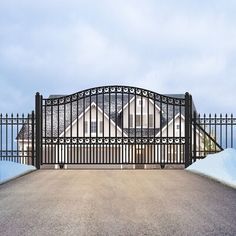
[32, 139]
[190, 129]
[38, 110]
[188, 121]
[195, 135]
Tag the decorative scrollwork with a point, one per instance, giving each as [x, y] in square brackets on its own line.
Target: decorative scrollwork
[114, 89]
[138, 91]
[170, 100]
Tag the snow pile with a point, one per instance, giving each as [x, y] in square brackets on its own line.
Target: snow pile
[10, 170]
[220, 166]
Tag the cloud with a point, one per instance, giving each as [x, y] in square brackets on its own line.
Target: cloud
[169, 47]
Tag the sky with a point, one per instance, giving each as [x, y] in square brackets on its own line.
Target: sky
[171, 46]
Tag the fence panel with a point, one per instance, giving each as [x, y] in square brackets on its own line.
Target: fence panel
[213, 133]
[17, 138]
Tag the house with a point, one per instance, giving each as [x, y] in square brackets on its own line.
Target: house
[115, 128]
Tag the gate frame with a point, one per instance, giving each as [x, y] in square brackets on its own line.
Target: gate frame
[38, 121]
[188, 129]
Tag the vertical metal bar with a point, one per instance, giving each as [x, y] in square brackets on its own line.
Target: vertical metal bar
[122, 125]
[190, 130]
[51, 145]
[77, 130]
[59, 150]
[128, 128]
[226, 130]
[6, 136]
[231, 134]
[32, 138]
[12, 138]
[199, 143]
[97, 132]
[150, 159]
[187, 133]
[17, 141]
[167, 128]
[221, 130]
[109, 125]
[90, 127]
[173, 158]
[70, 148]
[28, 140]
[64, 136]
[204, 139]
[23, 141]
[103, 131]
[1, 142]
[194, 135]
[135, 129]
[84, 160]
[38, 104]
[210, 132]
[115, 146]
[180, 135]
[41, 129]
[141, 158]
[215, 135]
[161, 126]
[46, 156]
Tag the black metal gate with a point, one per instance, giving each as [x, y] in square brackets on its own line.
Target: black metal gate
[114, 125]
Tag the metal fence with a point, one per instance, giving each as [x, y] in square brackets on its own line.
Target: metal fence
[216, 132]
[17, 138]
[114, 125]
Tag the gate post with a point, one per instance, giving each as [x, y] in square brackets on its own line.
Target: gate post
[188, 129]
[38, 110]
[195, 135]
[32, 139]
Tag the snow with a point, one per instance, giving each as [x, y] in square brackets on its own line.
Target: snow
[10, 170]
[220, 166]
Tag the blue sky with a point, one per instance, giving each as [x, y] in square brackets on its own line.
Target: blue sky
[61, 47]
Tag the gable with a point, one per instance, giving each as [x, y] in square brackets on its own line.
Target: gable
[97, 115]
[146, 108]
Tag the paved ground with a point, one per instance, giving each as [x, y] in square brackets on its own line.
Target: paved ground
[115, 202]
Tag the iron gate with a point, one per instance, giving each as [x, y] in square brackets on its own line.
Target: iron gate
[113, 125]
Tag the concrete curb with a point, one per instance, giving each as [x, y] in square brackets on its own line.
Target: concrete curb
[213, 178]
[17, 176]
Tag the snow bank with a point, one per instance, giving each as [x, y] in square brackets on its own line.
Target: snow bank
[10, 170]
[220, 166]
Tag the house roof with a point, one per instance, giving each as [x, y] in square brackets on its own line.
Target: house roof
[61, 116]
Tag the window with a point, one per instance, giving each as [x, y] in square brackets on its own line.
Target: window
[138, 121]
[93, 126]
[178, 126]
[101, 127]
[140, 101]
[86, 126]
[151, 121]
[131, 121]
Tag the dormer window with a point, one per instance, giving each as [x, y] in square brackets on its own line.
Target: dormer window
[140, 101]
[93, 127]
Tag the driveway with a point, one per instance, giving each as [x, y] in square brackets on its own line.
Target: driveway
[115, 202]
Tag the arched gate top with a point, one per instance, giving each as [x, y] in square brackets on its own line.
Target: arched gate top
[115, 89]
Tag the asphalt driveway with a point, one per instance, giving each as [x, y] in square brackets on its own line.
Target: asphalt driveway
[115, 202]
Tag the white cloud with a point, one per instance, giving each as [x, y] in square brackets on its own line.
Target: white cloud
[168, 47]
